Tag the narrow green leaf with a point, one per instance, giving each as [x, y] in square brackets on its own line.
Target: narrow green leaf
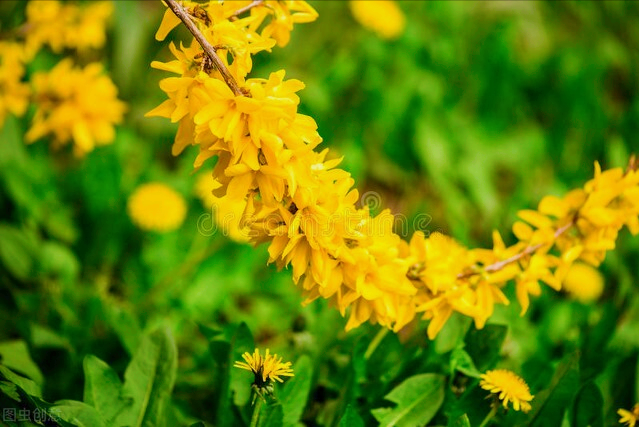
[102, 388]
[10, 390]
[15, 355]
[587, 407]
[78, 413]
[241, 343]
[17, 251]
[550, 405]
[461, 361]
[149, 380]
[351, 418]
[272, 415]
[294, 394]
[461, 421]
[418, 399]
[29, 387]
[484, 345]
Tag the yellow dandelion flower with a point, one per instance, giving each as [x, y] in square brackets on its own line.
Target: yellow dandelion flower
[265, 368]
[583, 282]
[629, 418]
[384, 17]
[156, 207]
[204, 187]
[508, 387]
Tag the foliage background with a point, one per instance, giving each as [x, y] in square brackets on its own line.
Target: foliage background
[477, 111]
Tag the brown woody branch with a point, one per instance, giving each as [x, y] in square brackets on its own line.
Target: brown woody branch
[247, 7]
[209, 50]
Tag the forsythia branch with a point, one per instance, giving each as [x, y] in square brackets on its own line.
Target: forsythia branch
[248, 7]
[210, 51]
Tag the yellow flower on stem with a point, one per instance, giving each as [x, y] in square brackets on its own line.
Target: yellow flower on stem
[507, 387]
[156, 207]
[14, 95]
[265, 368]
[629, 418]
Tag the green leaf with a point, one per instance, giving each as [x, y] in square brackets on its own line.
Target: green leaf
[294, 394]
[45, 337]
[125, 326]
[272, 415]
[587, 407]
[29, 387]
[102, 388]
[351, 418]
[78, 413]
[550, 405]
[484, 345]
[149, 380]
[461, 421]
[242, 342]
[17, 251]
[418, 399]
[461, 361]
[637, 381]
[10, 390]
[58, 260]
[15, 355]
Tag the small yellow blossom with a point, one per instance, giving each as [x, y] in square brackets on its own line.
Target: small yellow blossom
[583, 282]
[508, 387]
[156, 207]
[384, 17]
[75, 104]
[629, 418]
[265, 368]
[60, 25]
[14, 95]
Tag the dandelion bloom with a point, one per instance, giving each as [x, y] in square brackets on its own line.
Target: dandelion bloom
[508, 387]
[384, 17]
[156, 207]
[14, 95]
[265, 368]
[629, 418]
[583, 282]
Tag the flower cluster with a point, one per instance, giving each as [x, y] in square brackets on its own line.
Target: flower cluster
[62, 25]
[275, 188]
[72, 103]
[629, 418]
[14, 94]
[75, 104]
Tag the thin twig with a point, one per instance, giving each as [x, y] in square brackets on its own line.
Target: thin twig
[491, 268]
[248, 7]
[184, 16]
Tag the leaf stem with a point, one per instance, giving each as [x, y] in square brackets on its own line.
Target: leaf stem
[210, 51]
[490, 416]
[379, 337]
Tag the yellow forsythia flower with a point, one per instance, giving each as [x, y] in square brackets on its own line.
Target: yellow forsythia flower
[629, 418]
[75, 104]
[66, 25]
[381, 16]
[156, 207]
[583, 282]
[14, 95]
[204, 189]
[508, 387]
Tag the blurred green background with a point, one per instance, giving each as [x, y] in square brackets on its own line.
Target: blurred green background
[479, 110]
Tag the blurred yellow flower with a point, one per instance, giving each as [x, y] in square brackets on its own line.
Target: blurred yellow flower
[265, 368]
[75, 103]
[66, 25]
[156, 207]
[584, 282]
[14, 95]
[381, 16]
[204, 186]
[630, 418]
[508, 387]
